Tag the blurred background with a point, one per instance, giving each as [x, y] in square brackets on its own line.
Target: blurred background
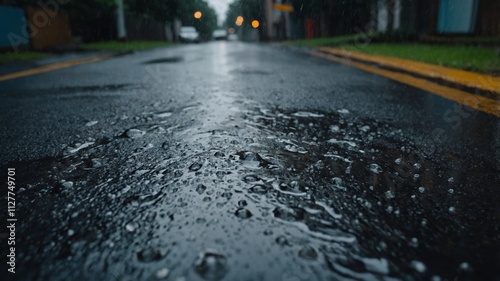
[60, 24]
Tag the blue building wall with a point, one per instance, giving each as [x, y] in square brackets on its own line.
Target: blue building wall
[13, 33]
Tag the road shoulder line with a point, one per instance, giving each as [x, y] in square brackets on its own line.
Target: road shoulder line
[55, 66]
[483, 104]
[461, 77]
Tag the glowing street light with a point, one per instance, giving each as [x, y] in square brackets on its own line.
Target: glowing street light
[255, 23]
[239, 21]
[197, 15]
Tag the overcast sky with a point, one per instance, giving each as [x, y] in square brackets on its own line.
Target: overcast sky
[220, 6]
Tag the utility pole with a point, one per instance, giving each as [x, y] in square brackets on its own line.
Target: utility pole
[120, 21]
[268, 7]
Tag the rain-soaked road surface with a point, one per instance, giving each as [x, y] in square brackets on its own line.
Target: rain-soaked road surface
[229, 161]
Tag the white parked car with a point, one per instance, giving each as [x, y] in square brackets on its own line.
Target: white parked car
[219, 34]
[189, 34]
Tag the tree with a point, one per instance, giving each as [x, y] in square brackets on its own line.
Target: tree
[249, 10]
[206, 24]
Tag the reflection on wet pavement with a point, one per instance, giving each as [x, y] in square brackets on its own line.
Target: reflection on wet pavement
[244, 190]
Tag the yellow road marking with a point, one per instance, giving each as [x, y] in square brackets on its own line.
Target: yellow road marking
[52, 67]
[462, 77]
[477, 102]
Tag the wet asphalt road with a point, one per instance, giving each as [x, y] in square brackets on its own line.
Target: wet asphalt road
[232, 161]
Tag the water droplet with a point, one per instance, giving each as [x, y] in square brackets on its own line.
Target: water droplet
[149, 254]
[281, 240]
[201, 220]
[211, 265]
[258, 189]
[91, 123]
[219, 154]
[343, 111]
[96, 162]
[164, 114]
[195, 167]
[307, 252]
[242, 203]
[294, 188]
[289, 213]
[397, 161]
[295, 149]
[451, 191]
[451, 209]
[417, 166]
[178, 173]
[220, 174]
[418, 266]
[389, 194]
[414, 242]
[465, 266]
[252, 160]
[334, 128]
[227, 195]
[375, 168]
[421, 189]
[71, 232]
[165, 145]
[268, 232]
[132, 226]
[451, 180]
[134, 133]
[162, 273]
[365, 129]
[251, 178]
[201, 188]
[243, 213]
[307, 114]
[67, 184]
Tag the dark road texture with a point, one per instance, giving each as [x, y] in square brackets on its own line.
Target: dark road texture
[232, 161]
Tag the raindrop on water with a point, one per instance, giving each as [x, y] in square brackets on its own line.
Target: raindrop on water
[149, 254]
[195, 167]
[201, 188]
[91, 123]
[258, 189]
[242, 203]
[211, 265]
[243, 213]
[281, 240]
[132, 226]
[418, 266]
[289, 213]
[308, 253]
[375, 168]
[251, 178]
[162, 273]
[134, 133]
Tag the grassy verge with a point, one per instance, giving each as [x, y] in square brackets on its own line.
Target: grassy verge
[125, 46]
[21, 56]
[480, 59]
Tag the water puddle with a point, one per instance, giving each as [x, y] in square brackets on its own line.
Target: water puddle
[343, 196]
